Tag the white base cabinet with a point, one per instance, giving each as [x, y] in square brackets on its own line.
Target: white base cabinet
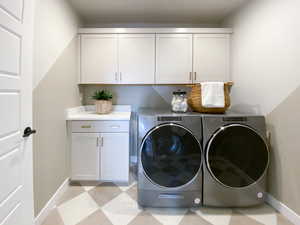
[85, 156]
[100, 156]
[114, 160]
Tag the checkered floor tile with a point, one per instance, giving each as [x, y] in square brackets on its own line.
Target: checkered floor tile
[110, 204]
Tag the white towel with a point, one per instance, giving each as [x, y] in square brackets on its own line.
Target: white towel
[213, 94]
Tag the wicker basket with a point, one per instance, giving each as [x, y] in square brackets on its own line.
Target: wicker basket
[195, 100]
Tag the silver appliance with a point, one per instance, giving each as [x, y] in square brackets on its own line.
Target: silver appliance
[169, 159]
[236, 160]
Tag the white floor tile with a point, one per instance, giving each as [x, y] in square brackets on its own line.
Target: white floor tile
[87, 188]
[167, 216]
[121, 210]
[77, 209]
[215, 216]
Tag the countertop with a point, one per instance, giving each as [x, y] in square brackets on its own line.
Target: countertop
[119, 112]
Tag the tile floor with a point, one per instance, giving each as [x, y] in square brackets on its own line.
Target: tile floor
[110, 204]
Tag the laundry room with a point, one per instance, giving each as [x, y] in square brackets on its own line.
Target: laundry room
[136, 112]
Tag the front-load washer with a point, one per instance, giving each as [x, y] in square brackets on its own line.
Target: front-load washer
[236, 160]
[169, 159]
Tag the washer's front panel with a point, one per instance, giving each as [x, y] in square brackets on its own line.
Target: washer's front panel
[170, 156]
[237, 156]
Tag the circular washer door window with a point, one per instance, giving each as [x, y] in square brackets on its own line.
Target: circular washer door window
[237, 156]
[170, 155]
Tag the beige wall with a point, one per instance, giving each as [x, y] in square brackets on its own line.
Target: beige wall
[56, 92]
[284, 173]
[266, 73]
[55, 89]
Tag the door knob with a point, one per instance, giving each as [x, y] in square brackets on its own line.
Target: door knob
[28, 131]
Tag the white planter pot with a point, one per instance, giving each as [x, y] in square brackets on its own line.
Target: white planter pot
[103, 106]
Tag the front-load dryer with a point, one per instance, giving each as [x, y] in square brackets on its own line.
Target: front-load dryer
[169, 159]
[236, 160]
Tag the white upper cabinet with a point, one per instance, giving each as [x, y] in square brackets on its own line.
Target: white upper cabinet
[149, 58]
[137, 58]
[211, 57]
[174, 55]
[99, 58]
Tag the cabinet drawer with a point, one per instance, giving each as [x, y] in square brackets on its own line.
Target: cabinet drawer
[100, 126]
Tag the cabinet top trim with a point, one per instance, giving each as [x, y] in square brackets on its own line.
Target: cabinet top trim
[155, 30]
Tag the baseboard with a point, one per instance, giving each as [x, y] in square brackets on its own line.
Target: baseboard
[283, 209]
[51, 203]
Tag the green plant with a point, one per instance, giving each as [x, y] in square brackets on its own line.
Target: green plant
[102, 95]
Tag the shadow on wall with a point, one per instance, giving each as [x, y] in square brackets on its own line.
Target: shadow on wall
[246, 108]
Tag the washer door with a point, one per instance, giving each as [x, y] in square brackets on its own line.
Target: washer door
[237, 156]
[170, 155]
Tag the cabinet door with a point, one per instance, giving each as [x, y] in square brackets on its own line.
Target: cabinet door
[114, 157]
[137, 58]
[99, 58]
[211, 57]
[173, 58]
[85, 156]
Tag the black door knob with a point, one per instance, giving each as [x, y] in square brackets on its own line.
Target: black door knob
[28, 131]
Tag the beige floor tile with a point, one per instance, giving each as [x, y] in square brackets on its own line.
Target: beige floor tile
[191, 218]
[70, 193]
[97, 218]
[281, 220]
[168, 216]
[132, 192]
[239, 219]
[144, 218]
[104, 193]
[53, 219]
[216, 216]
[264, 214]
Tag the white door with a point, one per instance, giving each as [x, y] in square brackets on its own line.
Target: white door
[137, 58]
[16, 39]
[211, 57]
[99, 58]
[174, 58]
[114, 157]
[85, 156]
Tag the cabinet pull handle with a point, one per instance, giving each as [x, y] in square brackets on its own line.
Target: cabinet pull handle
[191, 76]
[97, 142]
[116, 76]
[195, 78]
[86, 126]
[102, 142]
[120, 76]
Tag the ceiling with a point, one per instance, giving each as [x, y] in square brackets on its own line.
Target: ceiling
[154, 11]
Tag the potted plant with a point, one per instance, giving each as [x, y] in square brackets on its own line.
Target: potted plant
[103, 101]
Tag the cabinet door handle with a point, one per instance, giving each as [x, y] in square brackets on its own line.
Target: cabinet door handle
[97, 142]
[120, 76]
[191, 76]
[195, 78]
[116, 76]
[102, 141]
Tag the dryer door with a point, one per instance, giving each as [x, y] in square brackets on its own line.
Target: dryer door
[237, 156]
[170, 155]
